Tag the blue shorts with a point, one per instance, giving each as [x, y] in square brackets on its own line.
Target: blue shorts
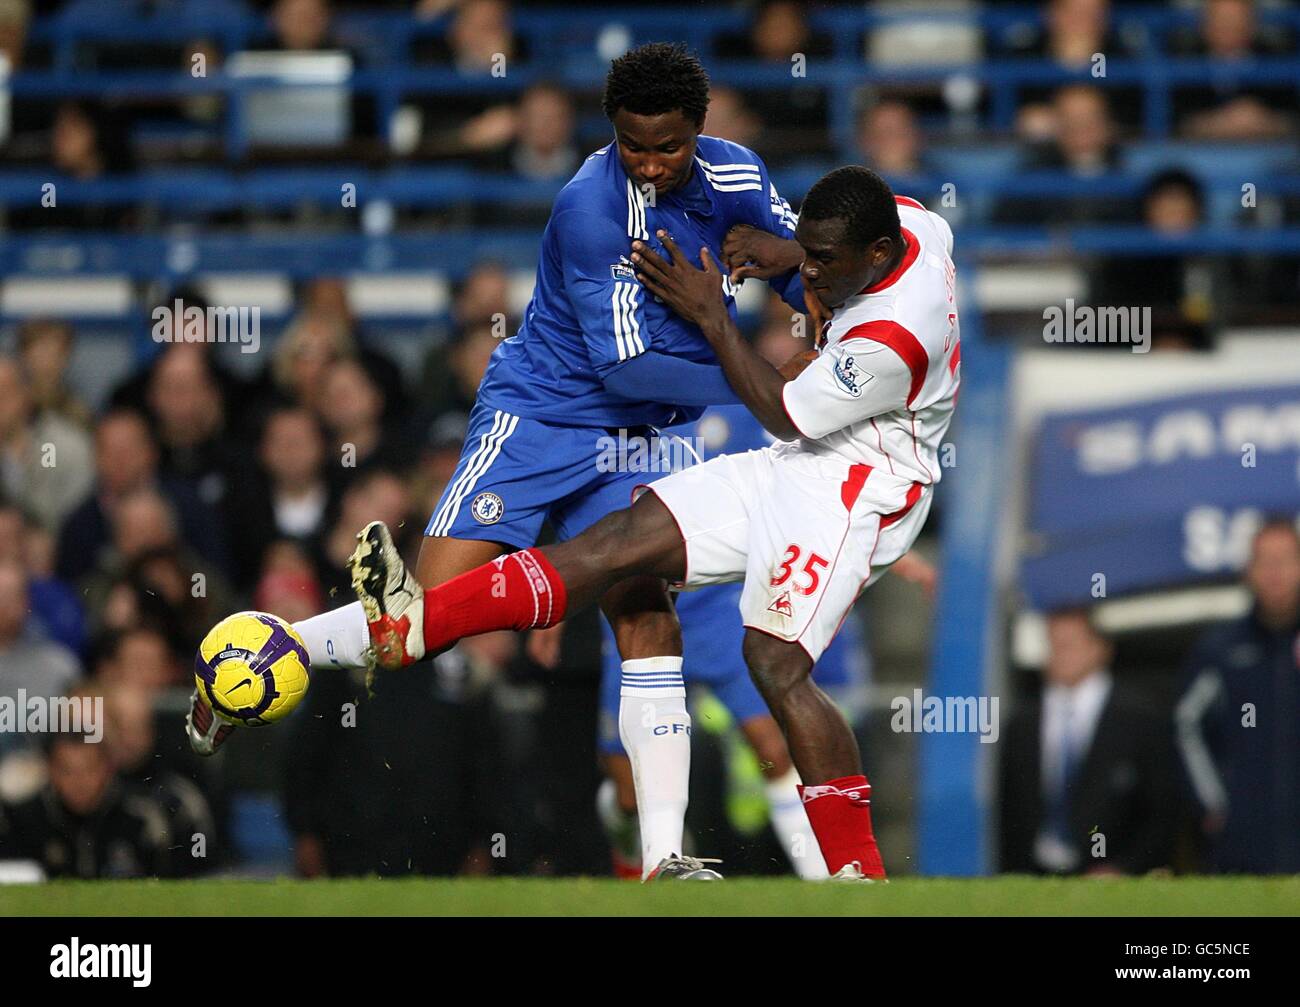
[712, 635]
[515, 473]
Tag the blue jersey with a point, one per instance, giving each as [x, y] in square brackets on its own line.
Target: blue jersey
[589, 314]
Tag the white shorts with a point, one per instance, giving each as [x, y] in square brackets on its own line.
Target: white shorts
[805, 532]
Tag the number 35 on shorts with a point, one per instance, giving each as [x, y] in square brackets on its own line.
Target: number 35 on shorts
[807, 576]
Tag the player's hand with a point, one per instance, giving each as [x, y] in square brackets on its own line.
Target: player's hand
[748, 251]
[818, 315]
[695, 294]
[797, 364]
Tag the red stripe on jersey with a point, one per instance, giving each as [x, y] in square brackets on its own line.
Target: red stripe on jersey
[908, 201]
[913, 250]
[955, 359]
[902, 342]
[852, 486]
[913, 495]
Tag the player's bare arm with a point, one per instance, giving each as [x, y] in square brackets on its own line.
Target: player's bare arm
[750, 251]
[696, 295]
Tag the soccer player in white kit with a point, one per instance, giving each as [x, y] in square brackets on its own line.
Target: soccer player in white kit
[807, 524]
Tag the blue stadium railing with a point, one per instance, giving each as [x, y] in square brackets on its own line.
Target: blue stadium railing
[984, 173]
[190, 196]
[577, 43]
[178, 258]
[211, 190]
[453, 254]
[1003, 79]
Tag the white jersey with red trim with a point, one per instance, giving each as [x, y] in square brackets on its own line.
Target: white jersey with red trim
[883, 389]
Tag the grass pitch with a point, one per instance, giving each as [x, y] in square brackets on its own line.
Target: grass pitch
[1004, 896]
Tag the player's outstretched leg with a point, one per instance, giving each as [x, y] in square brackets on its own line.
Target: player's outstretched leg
[530, 589]
[836, 795]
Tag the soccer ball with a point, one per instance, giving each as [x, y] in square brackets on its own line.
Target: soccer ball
[252, 669]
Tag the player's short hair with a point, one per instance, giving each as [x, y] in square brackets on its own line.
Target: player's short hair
[860, 198]
[656, 78]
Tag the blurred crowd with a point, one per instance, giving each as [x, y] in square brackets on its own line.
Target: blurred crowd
[129, 530]
[1081, 131]
[1108, 773]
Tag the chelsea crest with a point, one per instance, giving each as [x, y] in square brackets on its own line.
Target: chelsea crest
[487, 508]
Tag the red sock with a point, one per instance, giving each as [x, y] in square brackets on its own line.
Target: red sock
[840, 814]
[519, 591]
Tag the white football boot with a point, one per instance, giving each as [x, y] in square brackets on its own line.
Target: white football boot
[392, 598]
[205, 731]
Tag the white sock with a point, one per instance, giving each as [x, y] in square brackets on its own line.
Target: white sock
[656, 731]
[790, 823]
[336, 639]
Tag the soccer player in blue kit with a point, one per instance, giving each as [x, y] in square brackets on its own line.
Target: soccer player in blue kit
[593, 356]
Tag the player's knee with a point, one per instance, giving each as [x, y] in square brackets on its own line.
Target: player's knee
[775, 666]
[442, 558]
